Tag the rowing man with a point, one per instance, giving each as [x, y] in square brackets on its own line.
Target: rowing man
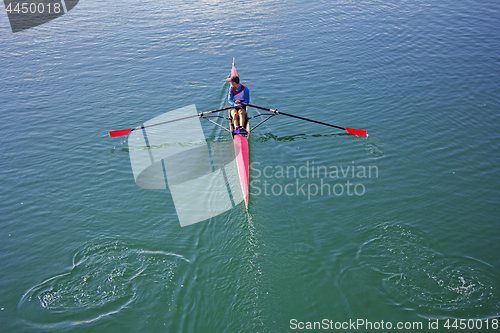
[238, 96]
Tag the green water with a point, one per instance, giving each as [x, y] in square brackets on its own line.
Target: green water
[83, 248]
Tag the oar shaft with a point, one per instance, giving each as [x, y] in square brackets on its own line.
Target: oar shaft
[219, 110]
[349, 130]
[261, 108]
[294, 116]
[312, 121]
[171, 121]
[200, 115]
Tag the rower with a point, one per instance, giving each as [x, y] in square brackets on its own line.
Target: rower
[239, 96]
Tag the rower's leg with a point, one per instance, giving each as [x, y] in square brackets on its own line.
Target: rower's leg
[234, 115]
[243, 116]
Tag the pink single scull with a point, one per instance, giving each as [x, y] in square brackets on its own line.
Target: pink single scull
[241, 139]
[241, 151]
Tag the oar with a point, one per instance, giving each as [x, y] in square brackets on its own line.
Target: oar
[349, 130]
[200, 115]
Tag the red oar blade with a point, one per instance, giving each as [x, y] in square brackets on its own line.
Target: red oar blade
[120, 133]
[356, 131]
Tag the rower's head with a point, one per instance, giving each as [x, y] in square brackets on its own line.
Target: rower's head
[235, 81]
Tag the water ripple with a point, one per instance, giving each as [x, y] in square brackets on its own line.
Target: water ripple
[107, 276]
[415, 276]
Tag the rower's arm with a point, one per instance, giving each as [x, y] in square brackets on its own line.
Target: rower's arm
[246, 96]
[230, 99]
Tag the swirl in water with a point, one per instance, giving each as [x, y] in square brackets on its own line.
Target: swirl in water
[107, 276]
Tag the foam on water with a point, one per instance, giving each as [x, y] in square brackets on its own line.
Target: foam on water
[107, 276]
[417, 277]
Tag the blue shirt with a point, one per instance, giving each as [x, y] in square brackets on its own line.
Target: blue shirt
[246, 99]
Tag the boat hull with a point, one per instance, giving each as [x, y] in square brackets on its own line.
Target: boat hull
[241, 152]
[242, 161]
